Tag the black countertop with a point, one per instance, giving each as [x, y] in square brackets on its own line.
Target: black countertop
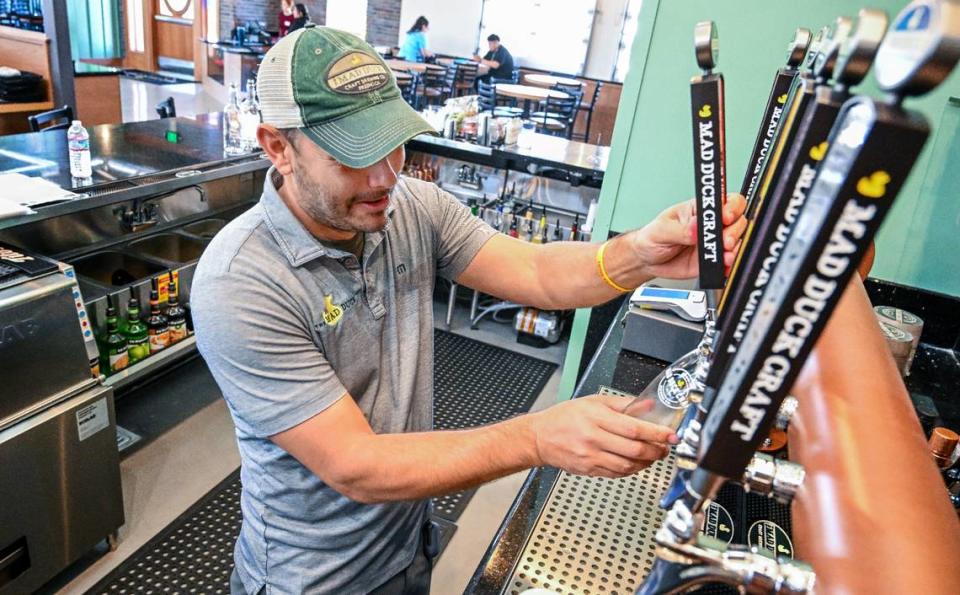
[232, 48]
[129, 161]
[623, 370]
[120, 151]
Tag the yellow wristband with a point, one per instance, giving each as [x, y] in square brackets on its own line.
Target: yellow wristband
[603, 271]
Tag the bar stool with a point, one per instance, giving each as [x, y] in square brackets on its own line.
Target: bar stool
[61, 118]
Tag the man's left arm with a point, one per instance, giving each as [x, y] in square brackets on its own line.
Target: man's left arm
[566, 275]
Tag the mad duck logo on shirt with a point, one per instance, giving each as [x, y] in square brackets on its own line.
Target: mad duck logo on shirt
[332, 313]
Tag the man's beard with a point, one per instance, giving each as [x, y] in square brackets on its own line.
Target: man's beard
[329, 211]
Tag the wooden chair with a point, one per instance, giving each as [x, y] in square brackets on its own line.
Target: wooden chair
[61, 119]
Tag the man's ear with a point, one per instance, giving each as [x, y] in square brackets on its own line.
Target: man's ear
[278, 149]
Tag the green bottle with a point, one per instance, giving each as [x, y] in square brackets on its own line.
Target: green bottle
[138, 344]
[115, 344]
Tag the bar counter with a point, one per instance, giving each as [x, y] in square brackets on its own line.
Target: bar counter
[142, 159]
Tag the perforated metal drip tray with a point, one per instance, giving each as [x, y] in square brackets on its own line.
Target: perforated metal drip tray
[594, 535]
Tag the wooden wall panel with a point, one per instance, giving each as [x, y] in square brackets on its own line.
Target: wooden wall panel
[174, 40]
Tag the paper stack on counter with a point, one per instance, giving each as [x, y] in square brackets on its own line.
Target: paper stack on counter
[19, 192]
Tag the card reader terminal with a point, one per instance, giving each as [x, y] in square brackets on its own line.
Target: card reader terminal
[689, 305]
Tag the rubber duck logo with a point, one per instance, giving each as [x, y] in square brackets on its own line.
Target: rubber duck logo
[875, 185]
[782, 99]
[331, 312]
[706, 111]
[915, 19]
[818, 152]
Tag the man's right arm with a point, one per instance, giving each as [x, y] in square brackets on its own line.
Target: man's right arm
[588, 436]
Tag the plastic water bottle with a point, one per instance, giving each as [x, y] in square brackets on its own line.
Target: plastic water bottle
[250, 118]
[78, 142]
[232, 127]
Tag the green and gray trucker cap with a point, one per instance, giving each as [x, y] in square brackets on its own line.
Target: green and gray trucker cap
[338, 91]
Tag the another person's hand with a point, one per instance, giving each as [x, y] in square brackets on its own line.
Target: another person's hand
[476, 57]
[667, 246]
[592, 436]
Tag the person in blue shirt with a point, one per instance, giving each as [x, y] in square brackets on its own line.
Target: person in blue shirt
[415, 45]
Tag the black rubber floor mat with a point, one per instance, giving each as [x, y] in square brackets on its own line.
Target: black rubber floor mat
[193, 554]
[477, 384]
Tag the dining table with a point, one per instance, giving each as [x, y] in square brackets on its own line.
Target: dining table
[407, 66]
[528, 93]
[550, 80]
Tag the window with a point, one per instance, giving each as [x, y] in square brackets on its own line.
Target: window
[536, 37]
[135, 25]
[213, 20]
[631, 16]
[348, 15]
[178, 9]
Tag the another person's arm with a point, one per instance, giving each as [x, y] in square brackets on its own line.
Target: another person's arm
[424, 50]
[565, 275]
[872, 498]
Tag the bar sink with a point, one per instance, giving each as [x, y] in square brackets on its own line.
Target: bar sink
[206, 228]
[115, 269]
[169, 247]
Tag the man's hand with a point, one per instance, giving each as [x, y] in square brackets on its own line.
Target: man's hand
[667, 246]
[592, 436]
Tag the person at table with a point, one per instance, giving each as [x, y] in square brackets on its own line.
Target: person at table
[415, 44]
[498, 59]
[286, 17]
[300, 17]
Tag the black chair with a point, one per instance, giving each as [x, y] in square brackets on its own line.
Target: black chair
[466, 78]
[557, 115]
[489, 102]
[61, 119]
[515, 76]
[438, 83]
[167, 108]
[409, 89]
[588, 107]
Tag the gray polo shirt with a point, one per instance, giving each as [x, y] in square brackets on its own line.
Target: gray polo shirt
[287, 327]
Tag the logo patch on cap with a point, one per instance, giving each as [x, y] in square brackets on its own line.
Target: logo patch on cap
[357, 73]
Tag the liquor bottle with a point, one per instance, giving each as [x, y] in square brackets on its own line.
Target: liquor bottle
[114, 345]
[158, 330]
[250, 118]
[176, 316]
[514, 233]
[232, 127]
[574, 228]
[474, 209]
[138, 345]
[557, 234]
[529, 213]
[498, 218]
[528, 229]
[543, 227]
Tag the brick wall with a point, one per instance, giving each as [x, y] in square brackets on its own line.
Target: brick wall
[241, 11]
[383, 22]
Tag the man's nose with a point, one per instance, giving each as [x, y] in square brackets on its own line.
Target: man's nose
[382, 174]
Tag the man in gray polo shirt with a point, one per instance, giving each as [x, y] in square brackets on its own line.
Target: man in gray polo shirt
[314, 313]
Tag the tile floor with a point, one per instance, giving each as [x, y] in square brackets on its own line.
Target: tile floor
[163, 478]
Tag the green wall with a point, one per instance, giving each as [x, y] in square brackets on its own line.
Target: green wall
[651, 154]
[94, 29]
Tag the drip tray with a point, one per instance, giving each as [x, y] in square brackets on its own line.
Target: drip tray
[595, 535]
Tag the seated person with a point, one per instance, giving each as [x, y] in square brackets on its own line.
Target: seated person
[498, 59]
[415, 44]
